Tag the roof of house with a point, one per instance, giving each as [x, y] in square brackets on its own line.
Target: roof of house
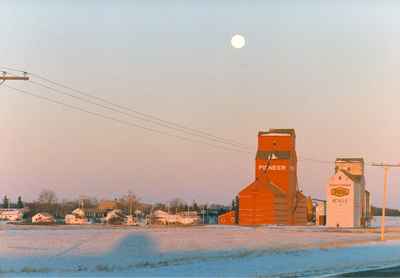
[107, 204]
[79, 212]
[44, 214]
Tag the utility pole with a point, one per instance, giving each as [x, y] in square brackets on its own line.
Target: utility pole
[4, 76]
[130, 205]
[386, 167]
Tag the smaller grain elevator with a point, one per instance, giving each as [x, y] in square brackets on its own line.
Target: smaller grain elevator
[347, 199]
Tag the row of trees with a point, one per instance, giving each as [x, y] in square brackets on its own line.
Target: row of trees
[7, 203]
[179, 205]
[388, 212]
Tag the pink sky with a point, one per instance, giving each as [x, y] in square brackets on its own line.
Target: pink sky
[328, 70]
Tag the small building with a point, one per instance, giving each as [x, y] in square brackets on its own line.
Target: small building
[102, 209]
[211, 216]
[95, 213]
[320, 214]
[190, 217]
[77, 217]
[346, 195]
[10, 214]
[115, 217]
[164, 218]
[108, 205]
[43, 218]
[227, 218]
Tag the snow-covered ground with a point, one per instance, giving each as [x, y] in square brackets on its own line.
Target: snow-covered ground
[202, 251]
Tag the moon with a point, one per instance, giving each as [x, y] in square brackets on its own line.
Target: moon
[238, 41]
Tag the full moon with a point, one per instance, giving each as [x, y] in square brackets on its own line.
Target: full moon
[238, 41]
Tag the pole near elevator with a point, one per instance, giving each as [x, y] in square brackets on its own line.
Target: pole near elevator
[386, 167]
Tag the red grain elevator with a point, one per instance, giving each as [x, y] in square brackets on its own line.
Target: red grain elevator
[274, 197]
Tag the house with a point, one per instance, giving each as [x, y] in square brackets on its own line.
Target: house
[164, 218]
[11, 214]
[190, 217]
[107, 205]
[77, 217]
[43, 218]
[115, 217]
[101, 210]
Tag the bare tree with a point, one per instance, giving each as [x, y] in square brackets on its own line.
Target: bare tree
[48, 197]
[129, 202]
[176, 205]
[48, 201]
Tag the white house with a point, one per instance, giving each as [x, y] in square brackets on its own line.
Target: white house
[43, 218]
[346, 194]
[11, 214]
[165, 218]
[77, 217]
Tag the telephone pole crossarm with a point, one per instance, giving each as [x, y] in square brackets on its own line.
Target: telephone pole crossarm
[385, 165]
[5, 76]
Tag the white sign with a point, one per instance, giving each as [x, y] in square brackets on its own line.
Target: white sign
[273, 167]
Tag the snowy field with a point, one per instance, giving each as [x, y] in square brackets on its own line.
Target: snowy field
[203, 251]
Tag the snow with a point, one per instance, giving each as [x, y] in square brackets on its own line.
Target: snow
[222, 251]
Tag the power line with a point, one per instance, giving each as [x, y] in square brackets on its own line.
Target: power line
[316, 160]
[124, 122]
[152, 118]
[155, 130]
[142, 116]
[54, 90]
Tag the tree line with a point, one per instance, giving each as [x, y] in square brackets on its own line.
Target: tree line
[376, 211]
[7, 203]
